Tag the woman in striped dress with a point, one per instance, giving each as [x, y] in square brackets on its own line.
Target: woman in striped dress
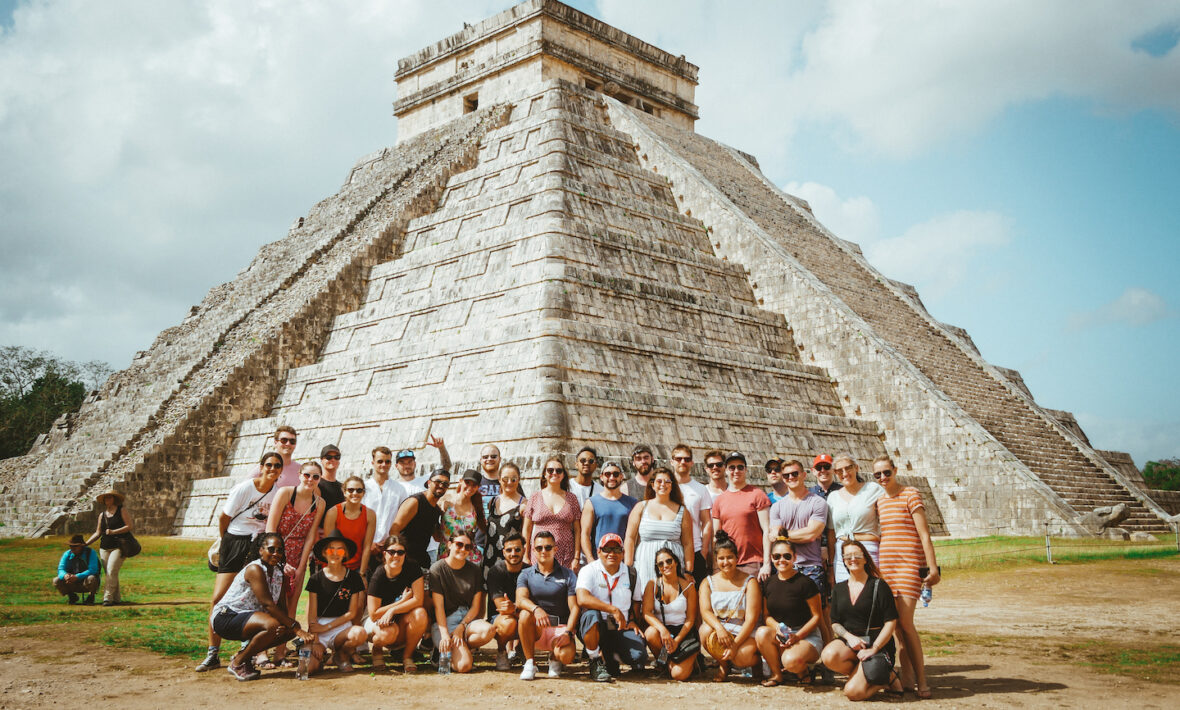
[905, 546]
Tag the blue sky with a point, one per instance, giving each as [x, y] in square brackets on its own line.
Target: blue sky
[1017, 162]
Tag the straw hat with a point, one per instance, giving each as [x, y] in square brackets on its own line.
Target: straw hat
[112, 492]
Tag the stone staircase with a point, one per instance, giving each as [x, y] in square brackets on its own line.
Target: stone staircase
[1014, 421]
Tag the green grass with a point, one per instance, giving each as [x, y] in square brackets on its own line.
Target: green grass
[994, 552]
[1160, 664]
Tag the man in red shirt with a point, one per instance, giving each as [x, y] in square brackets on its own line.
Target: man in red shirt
[743, 512]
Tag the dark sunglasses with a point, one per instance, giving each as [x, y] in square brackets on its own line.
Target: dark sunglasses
[665, 563]
[587, 461]
[613, 473]
[542, 548]
[396, 552]
[613, 550]
[776, 556]
[824, 467]
[312, 476]
[715, 464]
[882, 474]
[286, 440]
[792, 474]
[682, 458]
[774, 469]
[354, 490]
[555, 470]
[513, 550]
[331, 457]
[463, 545]
[490, 456]
[272, 465]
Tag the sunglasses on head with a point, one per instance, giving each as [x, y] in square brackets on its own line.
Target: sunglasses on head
[286, 440]
[542, 548]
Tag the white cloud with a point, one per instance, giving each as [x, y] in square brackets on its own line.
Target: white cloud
[1135, 307]
[855, 219]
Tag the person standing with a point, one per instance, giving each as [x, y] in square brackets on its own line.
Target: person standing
[419, 519]
[355, 521]
[657, 523]
[114, 526]
[777, 487]
[489, 469]
[331, 490]
[824, 485]
[606, 512]
[584, 486]
[78, 572]
[463, 509]
[715, 469]
[546, 595]
[905, 548]
[505, 513]
[555, 509]
[296, 515]
[606, 622]
[699, 504]
[284, 445]
[852, 513]
[643, 461]
[743, 512]
[384, 496]
[243, 518]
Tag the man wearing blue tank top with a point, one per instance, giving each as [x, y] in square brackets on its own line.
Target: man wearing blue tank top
[606, 511]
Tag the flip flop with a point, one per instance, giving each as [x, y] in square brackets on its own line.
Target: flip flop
[771, 682]
[408, 666]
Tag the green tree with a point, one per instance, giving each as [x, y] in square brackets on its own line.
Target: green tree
[1163, 474]
[36, 388]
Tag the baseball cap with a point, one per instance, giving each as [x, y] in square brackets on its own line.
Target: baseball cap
[773, 461]
[404, 454]
[641, 449]
[822, 458]
[735, 455]
[329, 449]
[472, 475]
[608, 539]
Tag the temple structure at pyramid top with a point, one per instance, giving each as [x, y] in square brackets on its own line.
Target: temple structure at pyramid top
[507, 56]
[551, 257]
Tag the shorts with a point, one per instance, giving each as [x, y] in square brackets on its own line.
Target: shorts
[547, 635]
[371, 628]
[230, 624]
[751, 568]
[453, 621]
[328, 638]
[816, 639]
[817, 574]
[236, 552]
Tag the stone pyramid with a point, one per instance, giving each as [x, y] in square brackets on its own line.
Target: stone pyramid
[551, 257]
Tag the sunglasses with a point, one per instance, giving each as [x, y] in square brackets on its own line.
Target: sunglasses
[661, 482]
[682, 458]
[882, 474]
[715, 464]
[312, 476]
[490, 456]
[737, 467]
[509, 480]
[513, 550]
[440, 482]
[552, 471]
[273, 548]
[665, 563]
[542, 548]
[774, 469]
[396, 552]
[793, 474]
[354, 490]
[272, 465]
[331, 457]
[287, 440]
[612, 474]
[462, 545]
[776, 556]
[335, 552]
[587, 461]
[854, 558]
[824, 467]
[613, 550]
[842, 469]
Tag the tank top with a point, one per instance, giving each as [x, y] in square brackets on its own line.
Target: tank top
[240, 595]
[114, 522]
[610, 516]
[420, 530]
[730, 607]
[673, 613]
[353, 530]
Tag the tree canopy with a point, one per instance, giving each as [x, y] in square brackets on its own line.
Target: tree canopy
[1163, 474]
[36, 388]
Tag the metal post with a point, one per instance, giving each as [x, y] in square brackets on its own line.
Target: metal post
[1176, 528]
[1048, 545]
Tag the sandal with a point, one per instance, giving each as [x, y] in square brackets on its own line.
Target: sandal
[923, 693]
[263, 663]
[288, 663]
[771, 682]
[408, 666]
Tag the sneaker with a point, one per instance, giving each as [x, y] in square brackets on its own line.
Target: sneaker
[515, 658]
[598, 671]
[212, 660]
[530, 670]
[72, 599]
[826, 676]
[243, 672]
[88, 600]
[554, 668]
[105, 602]
[502, 661]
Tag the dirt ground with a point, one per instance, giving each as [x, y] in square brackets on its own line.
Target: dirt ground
[1009, 627]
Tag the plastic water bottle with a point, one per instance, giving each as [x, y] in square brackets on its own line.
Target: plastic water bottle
[444, 663]
[784, 631]
[304, 660]
[662, 659]
[927, 595]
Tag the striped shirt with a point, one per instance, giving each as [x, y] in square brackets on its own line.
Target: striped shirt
[901, 550]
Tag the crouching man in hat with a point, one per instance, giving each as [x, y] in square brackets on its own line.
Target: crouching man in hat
[77, 572]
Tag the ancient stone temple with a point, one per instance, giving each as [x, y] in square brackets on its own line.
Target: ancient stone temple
[549, 257]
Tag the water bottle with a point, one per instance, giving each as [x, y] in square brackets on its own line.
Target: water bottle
[444, 663]
[784, 631]
[662, 659]
[927, 595]
[304, 660]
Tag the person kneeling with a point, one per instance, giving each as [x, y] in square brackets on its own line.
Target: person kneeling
[254, 610]
[547, 597]
[397, 616]
[334, 603]
[606, 624]
[77, 572]
[671, 610]
[791, 638]
[457, 593]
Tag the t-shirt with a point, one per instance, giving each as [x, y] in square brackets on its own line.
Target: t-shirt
[696, 499]
[332, 492]
[636, 488]
[489, 488]
[502, 581]
[333, 598]
[855, 617]
[550, 591]
[737, 513]
[420, 530]
[793, 515]
[773, 496]
[614, 588]
[786, 600]
[390, 590]
[584, 492]
[610, 516]
[384, 500]
[819, 490]
[458, 587]
[254, 507]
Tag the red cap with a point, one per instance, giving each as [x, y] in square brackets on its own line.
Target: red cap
[608, 539]
[822, 458]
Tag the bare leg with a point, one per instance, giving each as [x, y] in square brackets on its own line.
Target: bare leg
[220, 587]
[413, 625]
[766, 638]
[909, 643]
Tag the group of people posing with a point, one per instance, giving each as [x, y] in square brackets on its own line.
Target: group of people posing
[656, 571]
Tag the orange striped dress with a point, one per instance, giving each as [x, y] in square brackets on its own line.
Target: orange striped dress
[901, 550]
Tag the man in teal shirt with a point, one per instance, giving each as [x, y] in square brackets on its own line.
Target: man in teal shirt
[77, 572]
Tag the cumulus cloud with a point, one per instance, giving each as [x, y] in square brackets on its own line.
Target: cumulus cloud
[855, 219]
[1135, 307]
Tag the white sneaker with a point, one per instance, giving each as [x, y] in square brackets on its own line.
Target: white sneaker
[529, 672]
[502, 661]
[554, 668]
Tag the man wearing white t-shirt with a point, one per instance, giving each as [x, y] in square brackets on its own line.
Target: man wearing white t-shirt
[606, 624]
[699, 504]
[583, 485]
[384, 495]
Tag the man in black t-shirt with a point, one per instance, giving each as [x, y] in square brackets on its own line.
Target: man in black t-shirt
[502, 600]
[419, 518]
[330, 489]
